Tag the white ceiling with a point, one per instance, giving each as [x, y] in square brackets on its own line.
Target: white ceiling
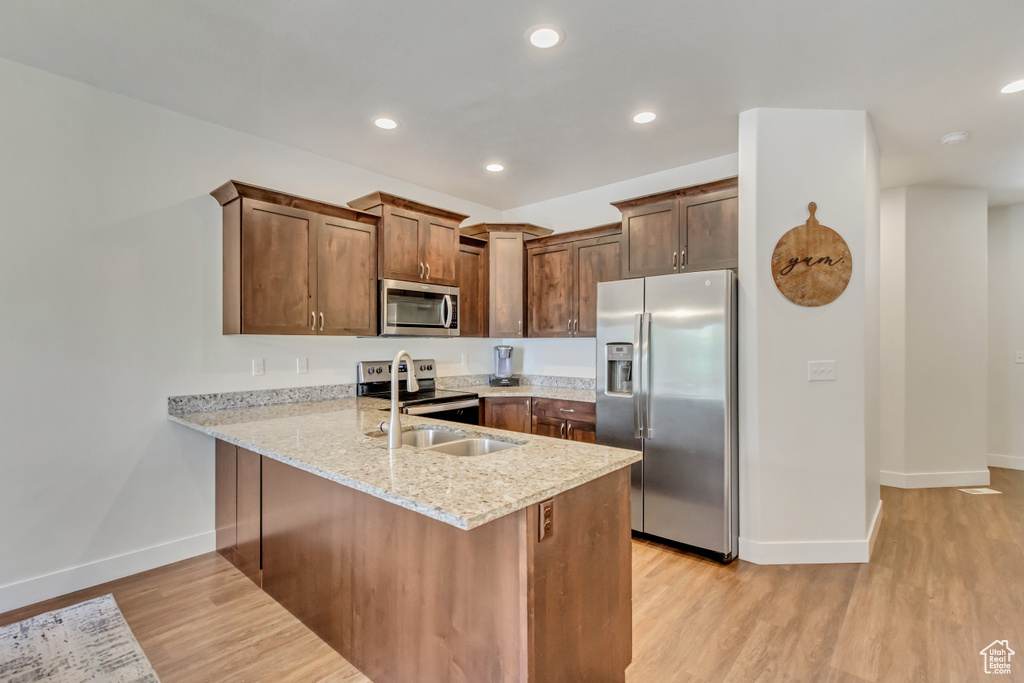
[468, 89]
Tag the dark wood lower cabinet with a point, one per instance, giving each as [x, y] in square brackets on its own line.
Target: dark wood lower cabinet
[573, 420]
[508, 412]
[407, 598]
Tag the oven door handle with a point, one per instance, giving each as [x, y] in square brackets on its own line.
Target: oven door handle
[446, 305]
[440, 407]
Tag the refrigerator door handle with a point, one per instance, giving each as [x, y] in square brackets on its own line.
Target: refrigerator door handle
[638, 389]
[645, 352]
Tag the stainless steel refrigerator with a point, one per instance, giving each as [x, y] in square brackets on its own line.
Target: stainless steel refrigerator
[666, 385]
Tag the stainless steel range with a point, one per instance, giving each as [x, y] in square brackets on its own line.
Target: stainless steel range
[373, 379]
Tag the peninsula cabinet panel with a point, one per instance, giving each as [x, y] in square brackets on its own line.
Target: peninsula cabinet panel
[226, 488]
[508, 412]
[650, 239]
[346, 277]
[550, 271]
[597, 260]
[237, 507]
[472, 291]
[278, 268]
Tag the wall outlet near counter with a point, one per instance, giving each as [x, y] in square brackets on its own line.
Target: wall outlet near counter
[1019, 358]
[257, 367]
[301, 366]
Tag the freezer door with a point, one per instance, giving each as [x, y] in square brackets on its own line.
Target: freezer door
[618, 305]
[689, 455]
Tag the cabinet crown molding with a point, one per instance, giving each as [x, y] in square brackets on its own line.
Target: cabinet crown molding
[375, 199]
[705, 188]
[481, 230]
[607, 230]
[233, 189]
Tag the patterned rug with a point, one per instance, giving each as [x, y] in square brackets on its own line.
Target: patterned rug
[89, 641]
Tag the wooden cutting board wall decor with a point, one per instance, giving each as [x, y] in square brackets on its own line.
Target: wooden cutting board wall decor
[812, 263]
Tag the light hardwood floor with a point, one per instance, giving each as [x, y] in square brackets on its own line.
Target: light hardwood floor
[946, 579]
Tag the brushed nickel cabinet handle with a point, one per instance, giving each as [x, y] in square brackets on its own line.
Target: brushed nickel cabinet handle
[568, 325]
[576, 325]
[682, 255]
[568, 431]
[561, 431]
[675, 255]
[421, 268]
[321, 321]
[428, 271]
[520, 327]
[313, 315]
[567, 410]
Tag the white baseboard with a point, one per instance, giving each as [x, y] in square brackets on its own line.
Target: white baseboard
[809, 552]
[1008, 462]
[934, 480]
[876, 524]
[29, 591]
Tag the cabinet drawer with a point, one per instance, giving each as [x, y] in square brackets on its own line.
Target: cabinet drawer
[581, 411]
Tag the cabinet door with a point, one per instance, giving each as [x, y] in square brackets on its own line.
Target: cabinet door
[711, 230]
[400, 257]
[511, 413]
[581, 431]
[550, 309]
[650, 239]
[278, 269]
[346, 277]
[505, 262]
[439, 243]
[596, 260]
[549, 426]
[472, 291]
[249, 512]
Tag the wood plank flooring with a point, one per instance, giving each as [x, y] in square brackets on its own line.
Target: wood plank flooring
[947, 578]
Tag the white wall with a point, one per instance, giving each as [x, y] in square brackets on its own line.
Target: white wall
[1006, 336]
[805, 491]
[935, 330]
[560, 357]
[110, 271]
[593, 207]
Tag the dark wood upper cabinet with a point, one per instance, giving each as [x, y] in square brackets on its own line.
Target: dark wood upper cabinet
[563, 273]
[506, 280]
[296, 266]
[419, 243]
[690, 229]
[472, 287]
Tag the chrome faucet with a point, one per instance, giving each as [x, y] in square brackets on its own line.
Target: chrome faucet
[395, 425]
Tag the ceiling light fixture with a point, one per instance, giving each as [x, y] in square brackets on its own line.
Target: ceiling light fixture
[544, 36]
[1016, 86]
[644, 117]
[494, 168]
[386, 124]
[954, 138]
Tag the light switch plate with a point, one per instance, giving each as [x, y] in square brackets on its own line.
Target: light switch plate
[821, 371]
[1020, 357]
[257, 367]
[301, 366]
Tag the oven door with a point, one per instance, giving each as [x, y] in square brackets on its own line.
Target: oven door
[464, 412]
[414, 309]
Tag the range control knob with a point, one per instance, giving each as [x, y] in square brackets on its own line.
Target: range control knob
[380, 369]
[370, 371]
[430, 367]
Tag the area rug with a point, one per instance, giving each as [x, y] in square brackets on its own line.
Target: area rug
[89, 641]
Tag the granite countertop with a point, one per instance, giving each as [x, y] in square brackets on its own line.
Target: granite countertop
[340, 440]
[535, 391]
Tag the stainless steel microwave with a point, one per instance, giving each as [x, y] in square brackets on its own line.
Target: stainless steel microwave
[415, 309]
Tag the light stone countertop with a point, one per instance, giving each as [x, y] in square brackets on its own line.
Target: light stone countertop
[341, 440]
[560, 393]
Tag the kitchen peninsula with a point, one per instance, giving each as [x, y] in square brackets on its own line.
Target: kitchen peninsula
[421, 566]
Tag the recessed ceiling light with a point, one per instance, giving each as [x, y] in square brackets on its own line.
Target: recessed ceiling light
[955, 138]
[645, 117]
[544, 36]
[386, 124]
[1016, 86]
[494, 168]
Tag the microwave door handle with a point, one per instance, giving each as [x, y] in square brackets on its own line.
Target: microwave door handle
[449, 308]
[638, 415]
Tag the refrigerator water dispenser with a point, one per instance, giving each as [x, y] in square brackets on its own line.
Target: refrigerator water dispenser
[619, 376]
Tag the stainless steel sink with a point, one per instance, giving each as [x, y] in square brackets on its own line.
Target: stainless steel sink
[422, 438]
[473, 447]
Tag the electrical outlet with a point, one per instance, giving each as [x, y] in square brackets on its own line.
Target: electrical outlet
[257, 367]
[464, 360]
[821, 371]
[301, 366]
[1020, 357]
[547, 519]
